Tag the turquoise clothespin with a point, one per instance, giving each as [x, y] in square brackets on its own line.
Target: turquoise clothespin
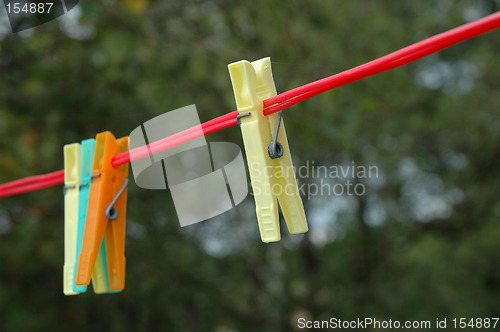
[88, 147]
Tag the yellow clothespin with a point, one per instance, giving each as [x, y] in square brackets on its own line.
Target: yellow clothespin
[72, 157]
[268, 155]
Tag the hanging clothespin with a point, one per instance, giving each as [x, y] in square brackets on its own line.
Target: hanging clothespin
[88, 147]
[106, 214]
[72, 153]
[268, 154]
[99, 276]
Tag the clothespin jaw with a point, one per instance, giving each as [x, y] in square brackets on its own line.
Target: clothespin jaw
[72, 155]
[100, 277]
[272, 178]
[106, 214]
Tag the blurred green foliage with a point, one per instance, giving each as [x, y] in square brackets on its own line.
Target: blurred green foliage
[422, 243]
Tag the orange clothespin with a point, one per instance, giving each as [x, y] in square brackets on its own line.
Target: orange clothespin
[106, 213]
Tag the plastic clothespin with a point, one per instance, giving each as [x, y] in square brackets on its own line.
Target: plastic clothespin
[272, 178]
[72, 154]
[99, 277]
[106, 214]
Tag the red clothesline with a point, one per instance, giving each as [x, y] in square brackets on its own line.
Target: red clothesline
[284, 100]
[177, 139]
[388, 62]
[37, 182]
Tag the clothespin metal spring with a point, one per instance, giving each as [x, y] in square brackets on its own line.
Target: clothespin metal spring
[111, 211]
[275, 148]
[242, 115]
